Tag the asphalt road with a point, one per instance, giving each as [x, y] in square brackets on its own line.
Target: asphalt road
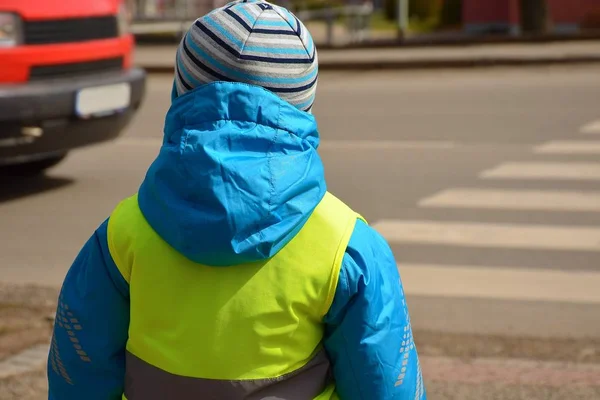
[486, 183]
[390, 143]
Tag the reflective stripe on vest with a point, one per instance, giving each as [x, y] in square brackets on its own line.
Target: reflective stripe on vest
[240, 331]
[147, 382]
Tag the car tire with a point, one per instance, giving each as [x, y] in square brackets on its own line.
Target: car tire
[32, 168]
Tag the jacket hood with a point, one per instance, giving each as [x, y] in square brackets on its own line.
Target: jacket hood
[237, 175]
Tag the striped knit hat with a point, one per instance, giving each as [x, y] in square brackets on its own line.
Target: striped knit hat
[254, 42]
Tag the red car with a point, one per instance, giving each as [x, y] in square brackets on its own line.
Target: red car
[66, 78]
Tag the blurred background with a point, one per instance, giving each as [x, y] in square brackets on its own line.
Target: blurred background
[466, 131]
[381, 19]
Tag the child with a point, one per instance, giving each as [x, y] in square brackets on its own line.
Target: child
[233, 273]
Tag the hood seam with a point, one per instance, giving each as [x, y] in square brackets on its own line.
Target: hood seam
[271, 177]
[181, 149]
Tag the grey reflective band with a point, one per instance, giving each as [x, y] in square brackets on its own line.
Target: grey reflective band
[147, 382]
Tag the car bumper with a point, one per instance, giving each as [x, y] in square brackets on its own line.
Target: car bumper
[40, 117]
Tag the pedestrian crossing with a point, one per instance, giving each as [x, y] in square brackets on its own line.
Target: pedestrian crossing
[574, 171]
[569, 147]
[511, 199]
[491, 235]
[509, 283]
[591, 128]
[520, 283]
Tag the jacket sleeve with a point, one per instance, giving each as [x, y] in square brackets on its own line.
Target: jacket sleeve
[87, 353]
[368, 332]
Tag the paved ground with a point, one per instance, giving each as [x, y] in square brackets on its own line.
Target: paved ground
[156, 58]
[486, 183]
[482, 182]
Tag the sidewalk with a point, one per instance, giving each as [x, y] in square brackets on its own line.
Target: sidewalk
[159, 59]
[455, 366]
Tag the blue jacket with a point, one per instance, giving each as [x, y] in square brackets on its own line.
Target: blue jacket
[240, 198]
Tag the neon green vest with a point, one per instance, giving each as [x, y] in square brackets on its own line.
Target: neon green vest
[249, 331]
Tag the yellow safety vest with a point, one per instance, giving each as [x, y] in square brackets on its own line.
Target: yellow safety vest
[251, 331]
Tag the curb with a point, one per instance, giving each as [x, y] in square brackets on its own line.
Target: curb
[462, 41]
[424, 42]
[374, 65]
[28, 360]
[472, 370]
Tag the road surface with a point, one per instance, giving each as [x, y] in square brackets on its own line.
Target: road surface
[486, 184]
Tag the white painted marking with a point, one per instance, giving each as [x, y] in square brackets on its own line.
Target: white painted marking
[543, 200]
[328, 144]
[491, 235]
[29, 360]
[541, 170]
[568, 147]
[500, 283]
[591, 128]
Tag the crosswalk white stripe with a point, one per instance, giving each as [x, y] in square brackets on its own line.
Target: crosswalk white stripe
[491, 235]
[591, 128]
[569, 147]
[501, 283]
[510, 199]
[544, 171]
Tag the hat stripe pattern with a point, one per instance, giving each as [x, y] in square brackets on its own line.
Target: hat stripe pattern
[254, 42]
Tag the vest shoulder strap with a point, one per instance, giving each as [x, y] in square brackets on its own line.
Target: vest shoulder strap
[127, 218]
[122, 223]
[332, 219]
